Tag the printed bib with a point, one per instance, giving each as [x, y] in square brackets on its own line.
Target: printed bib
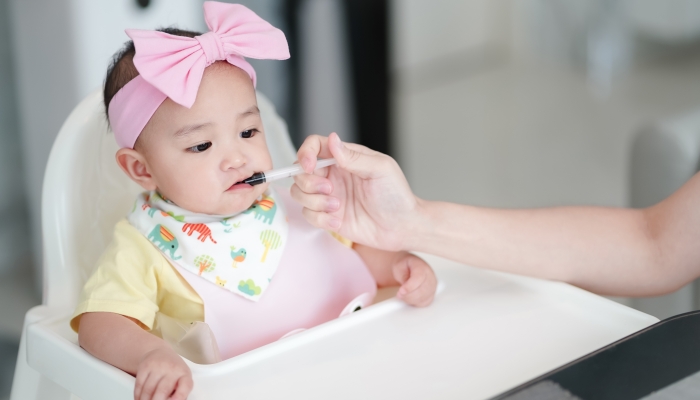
[239, 253]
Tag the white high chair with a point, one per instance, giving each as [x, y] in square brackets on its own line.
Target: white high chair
[485, 333]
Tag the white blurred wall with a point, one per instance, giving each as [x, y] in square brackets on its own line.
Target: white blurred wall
[61, 52]
[532, 103]
[500, 93]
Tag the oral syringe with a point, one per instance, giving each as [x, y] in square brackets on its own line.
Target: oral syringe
[281, 173]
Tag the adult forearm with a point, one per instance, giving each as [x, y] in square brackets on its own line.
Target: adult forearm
[605, 250]
[116, 340]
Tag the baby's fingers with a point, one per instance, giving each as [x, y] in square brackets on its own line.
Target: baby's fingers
[418, 282]
[420, 297]
[165, 388]
[149, 386]
[416, 277]
[184, 387]
[138, 386]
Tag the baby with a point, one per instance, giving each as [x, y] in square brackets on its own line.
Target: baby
[233, 265]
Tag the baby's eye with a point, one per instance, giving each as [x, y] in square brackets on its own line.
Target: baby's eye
[200, 147]
[249, 133]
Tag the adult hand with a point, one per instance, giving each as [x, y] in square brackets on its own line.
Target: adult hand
[364, 198]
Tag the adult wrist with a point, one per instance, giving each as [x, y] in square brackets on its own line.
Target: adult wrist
[419, 227]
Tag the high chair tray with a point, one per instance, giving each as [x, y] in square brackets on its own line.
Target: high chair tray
[485, 333]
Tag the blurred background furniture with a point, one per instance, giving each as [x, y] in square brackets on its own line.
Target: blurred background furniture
[665, 154]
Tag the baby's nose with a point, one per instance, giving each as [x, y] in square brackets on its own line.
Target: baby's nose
[233, 160]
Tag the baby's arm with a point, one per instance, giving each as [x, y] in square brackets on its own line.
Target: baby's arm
[118, 340]
[394, 268]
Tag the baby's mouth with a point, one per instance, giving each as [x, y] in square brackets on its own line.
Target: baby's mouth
[255, 179]
[242, 184]
[243, 181]
[238, 186]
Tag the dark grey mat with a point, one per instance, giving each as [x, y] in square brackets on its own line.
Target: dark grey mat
[685, 389]
[8, 357]
[545, 390]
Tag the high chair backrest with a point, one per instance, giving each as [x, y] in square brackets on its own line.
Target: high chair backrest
[85, 194]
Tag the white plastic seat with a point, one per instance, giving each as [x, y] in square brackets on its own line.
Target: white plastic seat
[84, 195]
[485, 333]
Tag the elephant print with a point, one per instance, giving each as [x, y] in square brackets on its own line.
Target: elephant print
[264, 209]
[164, 240]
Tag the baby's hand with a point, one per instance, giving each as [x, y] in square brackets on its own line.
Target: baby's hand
[417, 279]
[162, 375]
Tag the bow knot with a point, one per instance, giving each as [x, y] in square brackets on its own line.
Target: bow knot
[175, 64]
[212, 47]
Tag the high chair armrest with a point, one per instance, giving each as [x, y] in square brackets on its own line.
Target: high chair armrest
[53, 351]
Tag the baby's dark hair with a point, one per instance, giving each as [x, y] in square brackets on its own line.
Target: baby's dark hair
[122, 70]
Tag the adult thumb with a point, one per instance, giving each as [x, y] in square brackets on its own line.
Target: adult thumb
[362, 164]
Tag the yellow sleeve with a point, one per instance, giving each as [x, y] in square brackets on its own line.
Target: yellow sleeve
[343, 240]
[126, 279]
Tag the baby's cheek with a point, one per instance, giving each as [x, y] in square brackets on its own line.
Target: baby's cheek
[191, 186]
[264, 159]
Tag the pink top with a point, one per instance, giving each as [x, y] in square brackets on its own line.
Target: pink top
[318, 280]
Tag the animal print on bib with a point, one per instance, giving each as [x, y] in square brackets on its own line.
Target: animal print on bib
[238, 252]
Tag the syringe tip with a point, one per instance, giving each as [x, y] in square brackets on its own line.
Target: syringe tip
[256, 179]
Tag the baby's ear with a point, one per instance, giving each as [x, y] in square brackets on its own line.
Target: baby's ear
[135, 167]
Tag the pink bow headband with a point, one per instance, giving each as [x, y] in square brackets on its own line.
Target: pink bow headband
[173, 66]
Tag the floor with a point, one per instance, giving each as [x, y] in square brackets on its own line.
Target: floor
[8, 356]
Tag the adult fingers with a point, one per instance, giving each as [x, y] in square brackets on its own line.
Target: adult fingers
[315, 202]
[323, 172]
[321, 220]
[357, 159]
[314, 146]
[184, 387]
[313, 184]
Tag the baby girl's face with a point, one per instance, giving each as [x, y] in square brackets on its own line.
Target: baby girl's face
[196, 156]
